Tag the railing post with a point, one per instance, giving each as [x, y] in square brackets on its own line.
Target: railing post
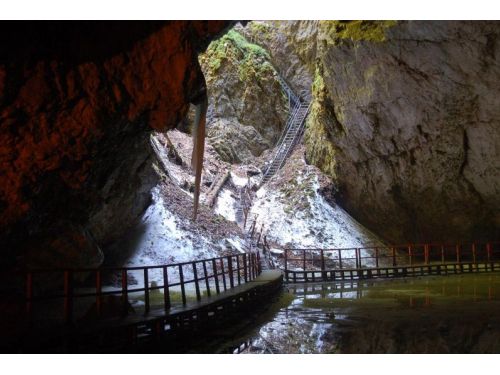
[196, 285]
[394, 261]
[286, 265]
[357, 258]
[259, 265]
[68, 296]
[457, 249]
[474, 255]
[181, 281]
[410, 254]
[340, 258]
[98, 292]
[230, 270]
[216, 276]
[245, 273]
[442, 254]
[207, 283]
[238, 268]
[376, 257]
[488, 255]
[360, 260]
[29, 297]
[323, 273]
[124, 292]
[426, 254]
[166, 289]
[223, 273]
[146, 290]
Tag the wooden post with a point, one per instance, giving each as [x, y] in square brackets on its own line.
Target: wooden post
[259, 265]
[360, 260]
[223, 273]
[124, 292]
[181, 281]
[394, 261]
[286, 265]
[340, 258]
[216, 276]
[238, 268]
[357, 258]
[323, 273]
[376, 257]
[474, 255]
[410, 254]
[207, 283]
[457, 249]
[196, 285]
[166, 289]
[29, 297]
[230, 270]
[98, 292]
[304, 260]
[426, 254]
[442, 254]
[245, 273]
[146, 290]
[68, 296]
[488, 255]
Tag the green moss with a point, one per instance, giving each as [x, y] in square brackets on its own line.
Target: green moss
[337, 31]
[250, 58]
[322, 126]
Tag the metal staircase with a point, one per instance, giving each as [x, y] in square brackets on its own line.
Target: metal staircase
[291, 134]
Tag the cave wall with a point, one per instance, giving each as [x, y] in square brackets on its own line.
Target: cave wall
[77, 102]
[405, 120]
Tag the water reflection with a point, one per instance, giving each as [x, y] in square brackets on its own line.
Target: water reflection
[447, 314]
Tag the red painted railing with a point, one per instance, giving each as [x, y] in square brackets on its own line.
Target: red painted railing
[210, 276]
[390, 256]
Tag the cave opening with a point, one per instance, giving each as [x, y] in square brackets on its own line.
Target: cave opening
[334, 157]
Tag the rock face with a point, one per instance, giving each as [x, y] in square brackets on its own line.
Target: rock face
[246, 107]
[77, 101]
[405, 120]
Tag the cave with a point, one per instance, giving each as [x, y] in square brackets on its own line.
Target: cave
[250, 187]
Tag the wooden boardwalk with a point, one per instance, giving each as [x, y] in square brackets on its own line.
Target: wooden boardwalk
[233, 285]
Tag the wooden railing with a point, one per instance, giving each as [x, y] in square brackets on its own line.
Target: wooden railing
[210, 276]
[324, 260]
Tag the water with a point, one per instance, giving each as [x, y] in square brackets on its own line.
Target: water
[443, 314]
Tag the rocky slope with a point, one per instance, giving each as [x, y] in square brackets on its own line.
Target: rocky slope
[77, 101]
[405, 120]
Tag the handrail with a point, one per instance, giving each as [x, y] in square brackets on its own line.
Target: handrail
[214, 275]
[326, 260]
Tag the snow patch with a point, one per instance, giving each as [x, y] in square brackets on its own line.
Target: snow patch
[226, 205]
[317, 225]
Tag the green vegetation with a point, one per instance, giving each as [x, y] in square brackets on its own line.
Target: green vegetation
[252, 60]
[336, 32]
[321, 127]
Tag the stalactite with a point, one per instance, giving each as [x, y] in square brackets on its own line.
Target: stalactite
[198, 146]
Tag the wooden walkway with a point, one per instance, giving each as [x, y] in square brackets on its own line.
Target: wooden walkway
[221, 289]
